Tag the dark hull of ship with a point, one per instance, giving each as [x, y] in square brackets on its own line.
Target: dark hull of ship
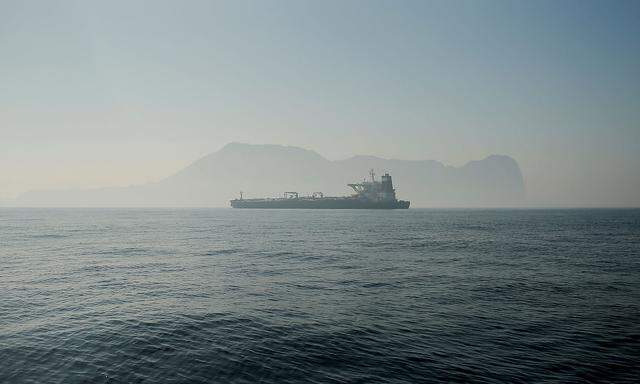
[318, 204]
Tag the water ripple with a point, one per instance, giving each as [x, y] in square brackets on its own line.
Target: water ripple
[199, 296]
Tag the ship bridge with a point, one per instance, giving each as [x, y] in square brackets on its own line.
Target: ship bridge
[375, 190]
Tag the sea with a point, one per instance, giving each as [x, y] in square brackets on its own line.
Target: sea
[319, 296]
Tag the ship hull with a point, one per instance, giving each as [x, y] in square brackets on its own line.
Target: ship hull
[318, 204]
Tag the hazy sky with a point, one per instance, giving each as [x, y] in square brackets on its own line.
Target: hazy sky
[120, 92]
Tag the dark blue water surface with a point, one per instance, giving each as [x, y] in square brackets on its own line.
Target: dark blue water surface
[270, 296]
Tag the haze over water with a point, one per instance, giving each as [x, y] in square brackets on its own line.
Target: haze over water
[220, 295]
[149, 116]
[113, 93]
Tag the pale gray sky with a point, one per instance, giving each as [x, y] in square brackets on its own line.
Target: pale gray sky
[123, 92]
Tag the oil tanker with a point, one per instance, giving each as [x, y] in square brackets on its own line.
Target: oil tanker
[371, 194]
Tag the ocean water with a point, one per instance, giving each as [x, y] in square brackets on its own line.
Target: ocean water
[270, 296]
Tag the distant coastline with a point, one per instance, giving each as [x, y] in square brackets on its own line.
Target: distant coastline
[269, 170]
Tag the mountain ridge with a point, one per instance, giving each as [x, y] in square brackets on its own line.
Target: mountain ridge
[269, 169]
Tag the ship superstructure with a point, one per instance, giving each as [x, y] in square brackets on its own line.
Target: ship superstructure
[369, 194]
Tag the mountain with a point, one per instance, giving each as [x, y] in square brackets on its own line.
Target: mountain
[269, 170]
